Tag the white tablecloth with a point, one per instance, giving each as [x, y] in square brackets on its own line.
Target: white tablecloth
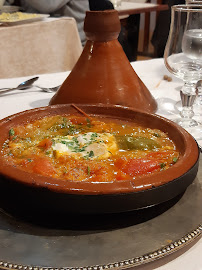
[151, 72]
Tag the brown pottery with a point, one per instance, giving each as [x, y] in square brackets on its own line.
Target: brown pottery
[33, 192]
[103, 73]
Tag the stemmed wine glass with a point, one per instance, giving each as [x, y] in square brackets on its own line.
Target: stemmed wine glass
[183, 58]
[198, 102]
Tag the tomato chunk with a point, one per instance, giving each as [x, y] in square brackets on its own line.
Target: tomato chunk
[121, 175]
[140, 166]
[43, 166]
[45, 144]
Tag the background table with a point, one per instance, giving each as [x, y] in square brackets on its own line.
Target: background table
[49, 45]
[130, 8]
[151, 72]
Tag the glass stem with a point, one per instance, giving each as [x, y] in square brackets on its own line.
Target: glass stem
[188, 95]
[199, 95]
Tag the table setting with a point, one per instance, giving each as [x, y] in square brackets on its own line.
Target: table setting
[149, 221]
[20, 100]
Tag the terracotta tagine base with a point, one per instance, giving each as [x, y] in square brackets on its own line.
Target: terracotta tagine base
[34, 193]
[103, 73]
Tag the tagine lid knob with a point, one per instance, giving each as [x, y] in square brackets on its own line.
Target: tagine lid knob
[102, 26]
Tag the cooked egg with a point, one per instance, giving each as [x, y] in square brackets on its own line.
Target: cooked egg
[89, 145]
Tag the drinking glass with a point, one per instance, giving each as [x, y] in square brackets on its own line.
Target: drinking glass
[198, 102]
[183, 58]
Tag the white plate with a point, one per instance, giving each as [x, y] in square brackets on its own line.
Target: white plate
[27, 20]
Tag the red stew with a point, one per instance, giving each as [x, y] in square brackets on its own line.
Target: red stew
[97, 150]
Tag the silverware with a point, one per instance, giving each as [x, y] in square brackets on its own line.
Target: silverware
[48, 89]
[28, 84]
[22, 86]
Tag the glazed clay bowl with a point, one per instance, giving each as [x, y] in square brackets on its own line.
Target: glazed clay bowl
[29, 192]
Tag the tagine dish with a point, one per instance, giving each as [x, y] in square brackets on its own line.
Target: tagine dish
[93, 159]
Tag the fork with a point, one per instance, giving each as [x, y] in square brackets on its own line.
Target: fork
[48, 89]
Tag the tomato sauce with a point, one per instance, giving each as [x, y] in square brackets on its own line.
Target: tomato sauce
[94, 150]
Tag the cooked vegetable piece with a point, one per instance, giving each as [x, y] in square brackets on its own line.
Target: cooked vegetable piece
[11, 132]
[43, 166]
[135, 167]
[136, 143]
[45, 144]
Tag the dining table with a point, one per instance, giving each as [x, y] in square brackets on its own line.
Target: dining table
[166, 92]
[132, 7]
[51, 45]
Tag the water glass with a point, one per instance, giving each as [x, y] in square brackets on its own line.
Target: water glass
[183, 58]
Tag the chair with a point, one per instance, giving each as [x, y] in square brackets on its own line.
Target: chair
[48, 46]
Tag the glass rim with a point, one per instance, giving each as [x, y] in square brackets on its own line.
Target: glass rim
[192, 7]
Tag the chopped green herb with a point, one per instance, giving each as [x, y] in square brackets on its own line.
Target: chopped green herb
[65, 120]
[88, 122]
[29, 159]
[91, 154]
[64, 124]
[94, 135]
[175, 159]
[11, 132]
[53, 142]
[72, 130]
[75, 139]
[162, 165]
[14, 138]
[88, 170]
[157, 135]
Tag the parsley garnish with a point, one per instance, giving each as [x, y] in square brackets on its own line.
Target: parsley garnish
[162, 165]
[157, 135]
[11, 132]
[175, 159]
[91, 154]
[88, 122]
[72, 130]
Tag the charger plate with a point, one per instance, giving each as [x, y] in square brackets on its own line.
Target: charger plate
[114, 241]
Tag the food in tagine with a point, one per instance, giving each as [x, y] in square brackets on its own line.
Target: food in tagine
[79, 148]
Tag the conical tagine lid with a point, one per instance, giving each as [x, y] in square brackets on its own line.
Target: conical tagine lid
[103, 73]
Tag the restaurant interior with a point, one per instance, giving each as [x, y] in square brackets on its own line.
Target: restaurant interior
[101, 134]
